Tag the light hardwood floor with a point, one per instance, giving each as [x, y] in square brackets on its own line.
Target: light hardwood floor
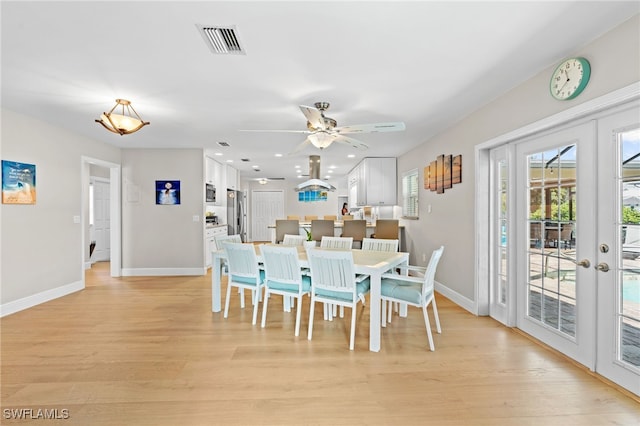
[149, 351]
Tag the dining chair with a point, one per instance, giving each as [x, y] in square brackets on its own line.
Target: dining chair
[386, 229]
[336, 242]
[293, 217]
[333, 282]
[347, 217]
[309, 218]
[379, 244]
[356, 229]
[286, 226]
[414, 291]
[244, 273]
[330, 217]
[293, 240]
[283, 276]
[219, 239]
[320, 228]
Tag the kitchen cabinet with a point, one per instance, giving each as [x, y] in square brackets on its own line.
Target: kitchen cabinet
[352, 184]
[211, 233]
[213, 176]
[232, 178]
[377, 182]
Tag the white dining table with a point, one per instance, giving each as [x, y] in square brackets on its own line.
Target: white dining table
[372, 263]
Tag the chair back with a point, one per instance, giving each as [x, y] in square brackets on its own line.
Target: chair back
[430, 274]
[293, 217]
[336, 242]
[387, 229]
[220, 239]
[319, 228]
[308, 217]
[330, 217]
[333, 270]
[347, 217]
[286, 226]
[243, 262]
[356, 229]
[281, 265]
[293, 240]
[376, 244]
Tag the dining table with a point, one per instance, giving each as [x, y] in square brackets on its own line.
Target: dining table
[367, 262]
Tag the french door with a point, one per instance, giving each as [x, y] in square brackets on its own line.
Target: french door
[578, 243]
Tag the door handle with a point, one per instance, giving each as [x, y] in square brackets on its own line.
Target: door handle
[584, 263]
[602, 267]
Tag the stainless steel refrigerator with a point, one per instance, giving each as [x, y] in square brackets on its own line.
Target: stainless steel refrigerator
[236, 213]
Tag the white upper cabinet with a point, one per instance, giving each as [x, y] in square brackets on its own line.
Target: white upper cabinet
[377, 182]
[210, 171]
[232, 178]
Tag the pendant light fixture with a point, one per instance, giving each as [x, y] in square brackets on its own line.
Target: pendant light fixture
[124, 120]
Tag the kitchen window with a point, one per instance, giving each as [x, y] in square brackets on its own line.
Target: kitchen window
[410, 194]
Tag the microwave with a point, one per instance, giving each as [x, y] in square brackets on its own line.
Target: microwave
[210, 193]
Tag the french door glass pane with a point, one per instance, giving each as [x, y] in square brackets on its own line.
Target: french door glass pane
[551, 228]
[628, 286]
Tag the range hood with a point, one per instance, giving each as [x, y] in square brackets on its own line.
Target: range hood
[314, 184]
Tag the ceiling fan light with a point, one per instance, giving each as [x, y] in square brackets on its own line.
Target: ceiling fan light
[321, 140]
[126, 122]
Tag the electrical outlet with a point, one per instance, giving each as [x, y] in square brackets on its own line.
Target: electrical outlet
[424, 257]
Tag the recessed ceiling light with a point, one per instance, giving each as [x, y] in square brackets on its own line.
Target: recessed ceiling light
[229, 161]
[299, 176]
[256, 167]
[219, 153]
[278, 155]
[351, 155]
[333, 167]
[327, 177]
[330, 171]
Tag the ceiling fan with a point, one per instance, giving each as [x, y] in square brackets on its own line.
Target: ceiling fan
[322, 131]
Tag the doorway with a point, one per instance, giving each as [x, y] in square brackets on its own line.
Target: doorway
[115, 224]
[266, 207]
[564, 216]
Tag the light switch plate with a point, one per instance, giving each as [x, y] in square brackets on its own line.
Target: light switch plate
[196, 218]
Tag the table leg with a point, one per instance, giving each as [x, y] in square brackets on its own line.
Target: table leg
[216, 272]
[374, 312]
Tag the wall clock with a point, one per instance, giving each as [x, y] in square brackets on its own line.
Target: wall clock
[570, 78]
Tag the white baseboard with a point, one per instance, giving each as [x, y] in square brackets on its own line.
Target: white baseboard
[457, 298]
[87, 265]
[36, 299]
[156, 272]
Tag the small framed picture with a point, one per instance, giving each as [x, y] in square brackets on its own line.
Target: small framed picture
[456, 169]
[440, 174]
[426, 172]
[168, 192]
[433, 173]
[18, 183]
[446, 172]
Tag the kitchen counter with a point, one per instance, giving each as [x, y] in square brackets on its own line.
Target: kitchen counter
[213, 225]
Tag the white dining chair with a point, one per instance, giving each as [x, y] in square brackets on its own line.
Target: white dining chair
[333, 282]
[283, 276]
[244, 273]
[336, 242]
[414, 291]
[379, 244]
[293, 240]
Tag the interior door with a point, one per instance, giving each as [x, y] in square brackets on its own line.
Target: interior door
[101, 221]
[618, 257]
[266, 207]
[557, 220]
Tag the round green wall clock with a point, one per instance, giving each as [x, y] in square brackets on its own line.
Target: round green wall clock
[570, 78]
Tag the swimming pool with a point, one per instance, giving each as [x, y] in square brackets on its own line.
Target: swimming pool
[631, 291]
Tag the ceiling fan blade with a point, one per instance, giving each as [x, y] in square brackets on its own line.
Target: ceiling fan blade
[275, 131]
[314, 116]
[300, 147]
[350, 141]
[371, 128]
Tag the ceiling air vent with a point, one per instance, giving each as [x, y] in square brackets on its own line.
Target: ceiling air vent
[221, 40]
[223, 143]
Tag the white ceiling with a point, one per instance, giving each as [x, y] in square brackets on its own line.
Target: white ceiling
[427, 64]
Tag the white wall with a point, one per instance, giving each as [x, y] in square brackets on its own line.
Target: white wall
[41, 245]
[615, 62]
[162, 239]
